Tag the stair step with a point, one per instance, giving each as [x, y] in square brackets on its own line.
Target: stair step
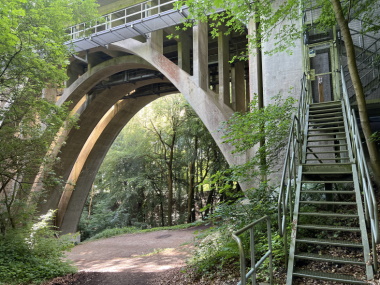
[340, 203]
[322, 159]
[323, 105]
[327, 145]
[328, 258]
[328, 128]
[326, 134]
[326, 139]
[326, 181]
[327, 168]
[330, 242]
[329, 228]
[327, 151]
[327, 192]
[313, 111]
[328, 214]
[338, 118]
[329, 112]
[328, 276]
[325, 124]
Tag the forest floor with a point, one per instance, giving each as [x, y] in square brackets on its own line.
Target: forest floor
[154, 258]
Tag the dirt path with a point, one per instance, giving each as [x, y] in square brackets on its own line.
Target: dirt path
[131, 259]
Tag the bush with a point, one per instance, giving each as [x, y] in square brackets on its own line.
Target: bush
[33, 254]
[217, 250]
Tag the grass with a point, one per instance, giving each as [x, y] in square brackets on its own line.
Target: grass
[132, 230]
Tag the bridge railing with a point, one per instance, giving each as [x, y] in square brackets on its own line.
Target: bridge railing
[120, 17]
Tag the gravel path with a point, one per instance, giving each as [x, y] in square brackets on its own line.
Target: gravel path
[130, 259]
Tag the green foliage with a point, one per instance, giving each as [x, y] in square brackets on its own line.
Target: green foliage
[217, 249]
[132, 230]
[278, 21]
[32, 58]
[33, 61]
[132, 189]
[32, 254]
[247, 130]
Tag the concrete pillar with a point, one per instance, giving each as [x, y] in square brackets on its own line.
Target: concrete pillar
[184, 52]
[200, 55]
[224, 68]
[238, 87]
[156, 41]
[247, 92]
[255, 65]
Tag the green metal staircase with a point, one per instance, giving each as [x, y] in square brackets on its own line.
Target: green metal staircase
[327, 198]
[327, 218]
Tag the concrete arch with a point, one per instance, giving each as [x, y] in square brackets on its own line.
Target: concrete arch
[72, 201]
[85, 148]
[206, 103]
[89, 117]
[95, 74]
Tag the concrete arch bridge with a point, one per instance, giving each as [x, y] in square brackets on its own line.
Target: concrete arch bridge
[126, 62]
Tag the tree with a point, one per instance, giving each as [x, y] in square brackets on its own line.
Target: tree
[132, 189]
[279, 20]
[358, 86]
[32, 57]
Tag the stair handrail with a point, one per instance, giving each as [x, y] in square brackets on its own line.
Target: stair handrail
[254, 265]
[293, 156]
[365, 179]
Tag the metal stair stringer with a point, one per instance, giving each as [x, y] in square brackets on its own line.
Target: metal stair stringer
[319, 209]
[289, 275]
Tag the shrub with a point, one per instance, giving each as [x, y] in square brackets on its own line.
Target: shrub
[33, 254]
[217, 250]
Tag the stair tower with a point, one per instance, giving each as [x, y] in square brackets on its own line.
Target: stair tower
[326, 189]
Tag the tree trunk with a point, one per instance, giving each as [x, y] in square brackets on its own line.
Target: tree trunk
[209, 202]
[360, 98]
[190, 198]
[170, 181]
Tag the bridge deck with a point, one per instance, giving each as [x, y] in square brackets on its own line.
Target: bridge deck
[129, 22]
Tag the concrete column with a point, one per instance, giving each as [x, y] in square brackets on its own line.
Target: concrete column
[156, 41]
[224, 68]
[247, 92]
[184, 46]
[200, 55]
[238, 87]
[255, 66]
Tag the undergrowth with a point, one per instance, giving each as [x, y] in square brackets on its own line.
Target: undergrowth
[130, 230]
[32, 254]
[216, 252]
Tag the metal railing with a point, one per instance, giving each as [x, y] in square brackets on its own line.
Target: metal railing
[293, 158]
[254, 266]
[370, 204]
[120, 17]
[367, 59]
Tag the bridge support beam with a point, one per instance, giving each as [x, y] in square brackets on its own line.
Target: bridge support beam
[224, 68]
[238, 87]
[184, 52]
[200, 55]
